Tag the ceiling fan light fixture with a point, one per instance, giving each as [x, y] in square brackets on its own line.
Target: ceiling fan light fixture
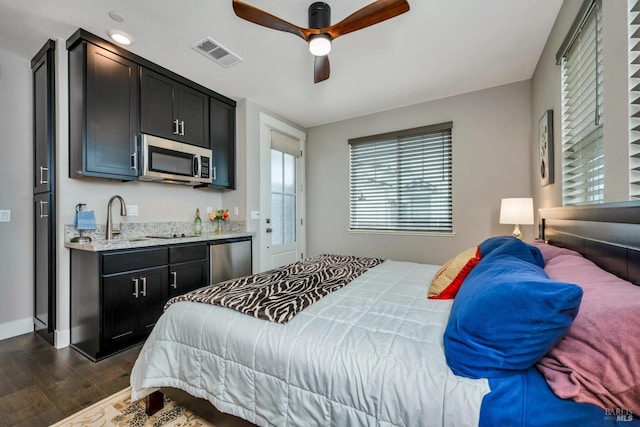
[320, 45]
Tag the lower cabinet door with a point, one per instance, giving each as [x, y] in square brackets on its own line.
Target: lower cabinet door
[153, 295]
[188, 276]
[132, 304]
[120, 317]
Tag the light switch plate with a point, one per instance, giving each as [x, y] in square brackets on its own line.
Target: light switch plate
[132, 210]
[255, 214]
[5, 215]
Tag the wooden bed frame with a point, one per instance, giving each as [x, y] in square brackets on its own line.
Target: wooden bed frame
[608, 234]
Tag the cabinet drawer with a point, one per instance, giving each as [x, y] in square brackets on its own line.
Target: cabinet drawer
[189, 252]
[118, 262]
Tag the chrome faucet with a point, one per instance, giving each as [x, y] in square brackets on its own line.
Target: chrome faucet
[123, 212]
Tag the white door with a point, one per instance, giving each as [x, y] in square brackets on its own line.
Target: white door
[281, 193]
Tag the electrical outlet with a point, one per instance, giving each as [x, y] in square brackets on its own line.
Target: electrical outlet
[209, 210]
[5, 216]
[235, 211]
[132, 210]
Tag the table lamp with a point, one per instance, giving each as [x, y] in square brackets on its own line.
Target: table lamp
[517, 211]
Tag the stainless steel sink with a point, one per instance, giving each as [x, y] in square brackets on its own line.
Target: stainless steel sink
[133, 239]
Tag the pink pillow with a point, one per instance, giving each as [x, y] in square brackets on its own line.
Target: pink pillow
[549, 251]
[598, 361]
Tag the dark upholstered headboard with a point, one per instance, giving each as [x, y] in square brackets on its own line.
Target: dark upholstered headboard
[607, 234]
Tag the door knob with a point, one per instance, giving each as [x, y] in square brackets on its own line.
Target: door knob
[269, 229]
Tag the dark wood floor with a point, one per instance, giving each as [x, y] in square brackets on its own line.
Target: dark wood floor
[40, 385]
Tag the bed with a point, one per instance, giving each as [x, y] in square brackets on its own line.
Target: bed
[379, 352]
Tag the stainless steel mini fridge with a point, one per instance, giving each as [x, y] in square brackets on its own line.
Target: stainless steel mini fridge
[230, 258]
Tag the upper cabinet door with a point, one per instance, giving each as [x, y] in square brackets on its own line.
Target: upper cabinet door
[43, 68]
[157, 115]
[223, 144]
[103, 116]
[193, 116]
[172, 110]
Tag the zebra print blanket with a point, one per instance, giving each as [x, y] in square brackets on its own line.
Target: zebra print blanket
[279, 294]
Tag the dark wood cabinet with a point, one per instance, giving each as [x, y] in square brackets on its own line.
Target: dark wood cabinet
[44, 119]
[172, 110]
[115, 95]
[44, 262]
[222, 120]
[103, 113]
[133, 303]
[44, 224]
[188, 268]
[116, 298]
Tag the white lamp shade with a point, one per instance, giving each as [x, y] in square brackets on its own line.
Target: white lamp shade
[320, 45]
[516, 211]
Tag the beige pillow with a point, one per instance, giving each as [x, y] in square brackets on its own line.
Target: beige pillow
[448, 279]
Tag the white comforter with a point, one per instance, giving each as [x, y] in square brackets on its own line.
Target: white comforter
[369, 354]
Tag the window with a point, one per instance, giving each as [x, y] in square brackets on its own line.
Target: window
[402, 180]
[582, 112]
[634, 99]
[284, 151]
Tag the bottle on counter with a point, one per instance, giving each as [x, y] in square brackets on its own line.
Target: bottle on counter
[197, 223]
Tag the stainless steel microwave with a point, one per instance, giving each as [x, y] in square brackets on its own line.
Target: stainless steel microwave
[164, 160]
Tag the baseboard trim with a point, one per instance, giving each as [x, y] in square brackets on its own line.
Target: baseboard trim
[15, 328]
[62, 338]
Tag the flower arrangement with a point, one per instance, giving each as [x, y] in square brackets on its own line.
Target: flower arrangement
[218, 217]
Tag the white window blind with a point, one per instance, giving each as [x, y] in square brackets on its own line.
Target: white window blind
[402, 180]
[582, 110]
[634, 99]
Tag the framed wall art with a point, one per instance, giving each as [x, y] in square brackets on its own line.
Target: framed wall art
[545, 135]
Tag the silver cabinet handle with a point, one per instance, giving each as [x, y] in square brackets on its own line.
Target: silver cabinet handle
[174, 276]
[135, 282]
[144, 286]
[44, 180]
[176, 127]
[182, 127]
[43, 209]
[134, 160]
[214, 173]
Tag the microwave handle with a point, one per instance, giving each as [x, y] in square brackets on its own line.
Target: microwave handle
[196, 166]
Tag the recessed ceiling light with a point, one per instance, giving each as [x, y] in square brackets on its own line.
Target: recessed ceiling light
[116, 16]
[120, 37]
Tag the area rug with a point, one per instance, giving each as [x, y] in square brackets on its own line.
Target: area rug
[118, 411]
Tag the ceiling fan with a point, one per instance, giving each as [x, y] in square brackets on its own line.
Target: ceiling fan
[320, 32]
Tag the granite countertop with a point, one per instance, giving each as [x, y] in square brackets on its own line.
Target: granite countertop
[143, 241]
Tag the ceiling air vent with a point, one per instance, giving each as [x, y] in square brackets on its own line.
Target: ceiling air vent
[216, 52]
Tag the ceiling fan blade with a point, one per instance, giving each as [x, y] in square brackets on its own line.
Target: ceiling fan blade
[321, 68]
[371, 14]
[260, 17]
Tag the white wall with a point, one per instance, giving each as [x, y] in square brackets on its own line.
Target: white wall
[491, 132]
[546, 94]
[16, 194]
[248, 161]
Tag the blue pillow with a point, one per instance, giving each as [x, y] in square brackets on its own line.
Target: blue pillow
[514, 246]
[488, 246]
[507, 314]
